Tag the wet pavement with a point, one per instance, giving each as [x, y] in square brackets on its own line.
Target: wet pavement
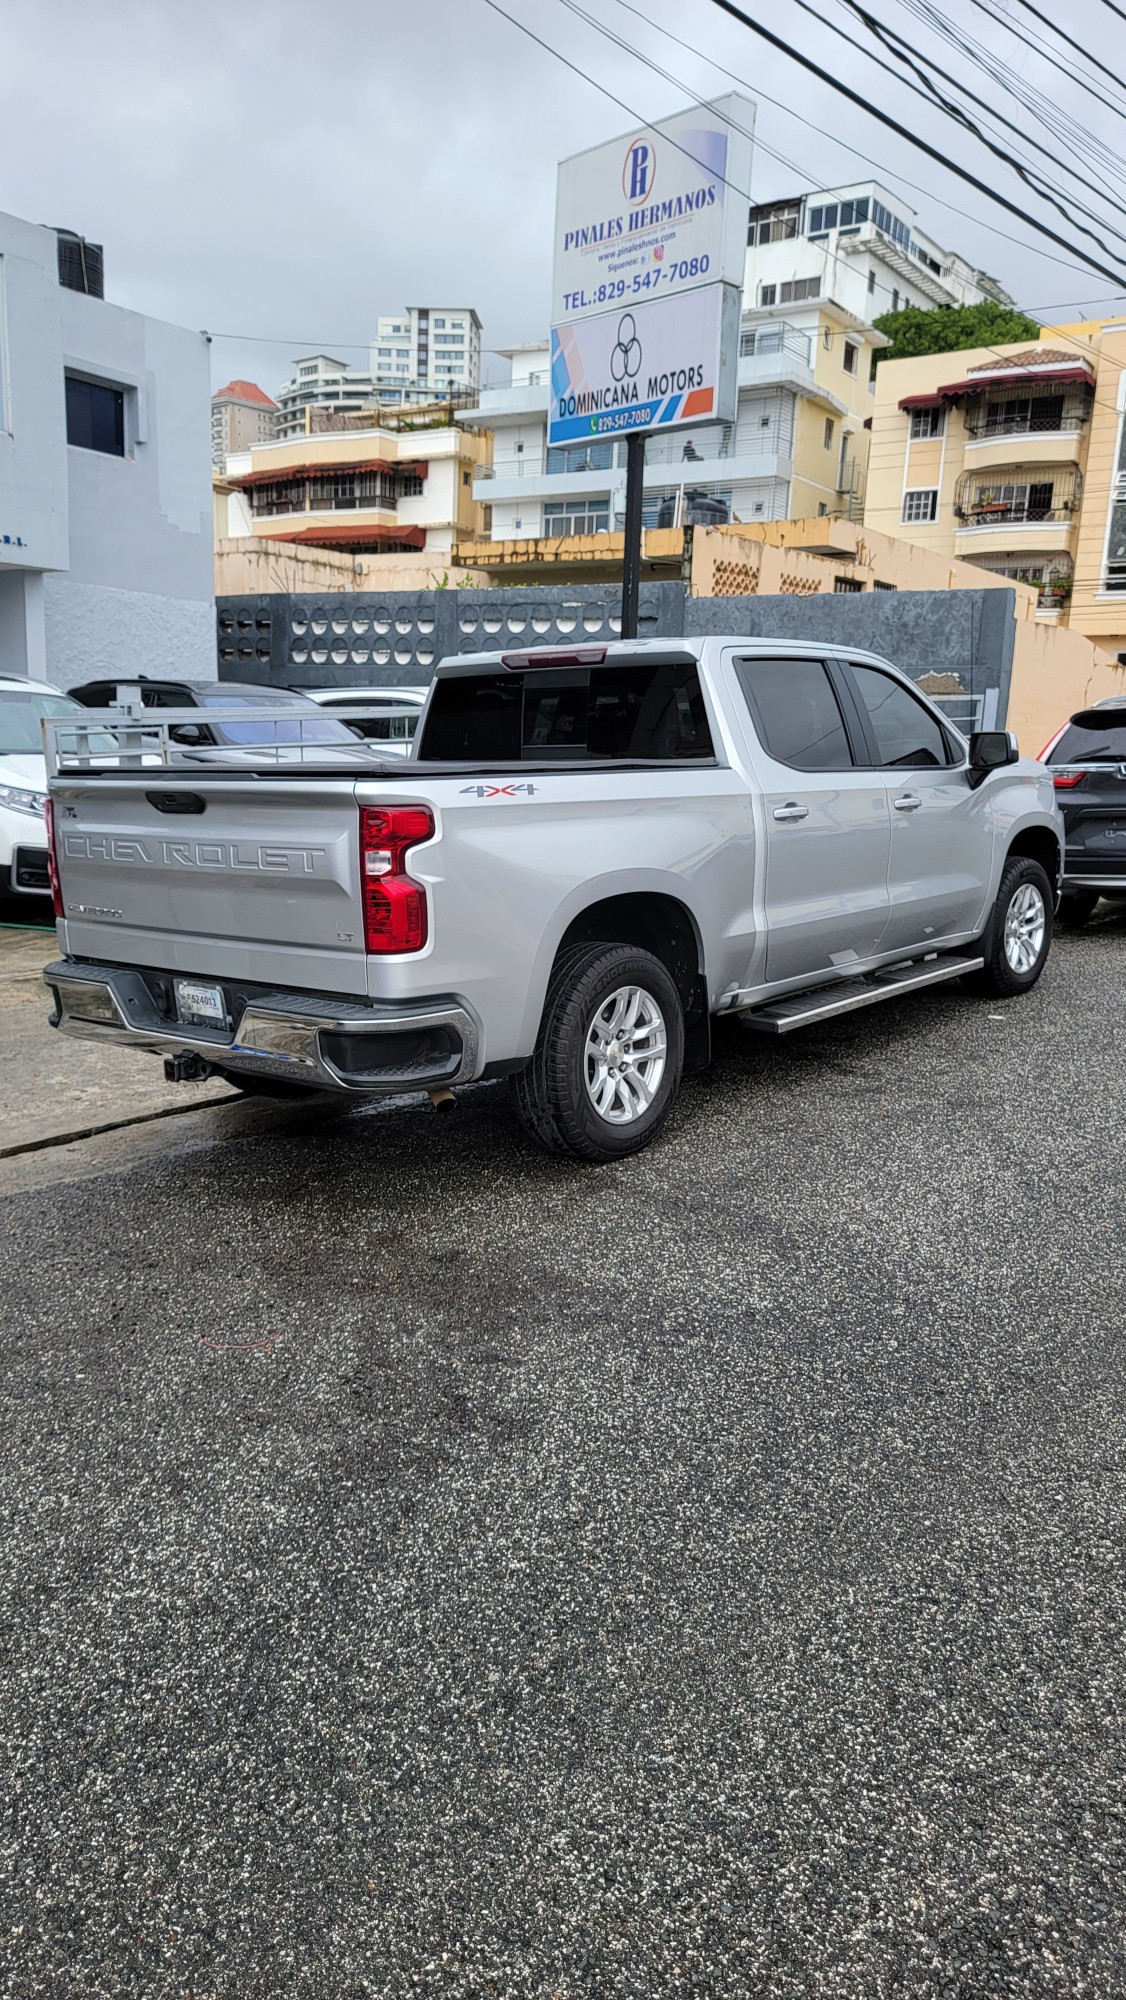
[433, 1568]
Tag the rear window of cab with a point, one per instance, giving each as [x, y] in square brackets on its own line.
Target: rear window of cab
[651, 713]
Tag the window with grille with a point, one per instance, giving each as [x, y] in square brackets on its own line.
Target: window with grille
[921, 504]
[928, 423]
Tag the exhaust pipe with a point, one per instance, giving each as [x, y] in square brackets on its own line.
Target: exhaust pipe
[442, 1098]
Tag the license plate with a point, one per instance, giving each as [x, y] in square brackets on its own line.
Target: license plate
[195, 1002]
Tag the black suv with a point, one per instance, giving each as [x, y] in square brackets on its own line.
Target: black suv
[1088, 765]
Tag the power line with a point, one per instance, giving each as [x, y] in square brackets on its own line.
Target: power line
[1093, 61]
[887, 173]
[1061, 62]
[1067, 129]
[921, 145]
[1033, 179]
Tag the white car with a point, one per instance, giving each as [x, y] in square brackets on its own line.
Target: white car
[23, 781]
[390, 714]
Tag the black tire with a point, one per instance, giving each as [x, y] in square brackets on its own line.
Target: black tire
[551, 1093]
[1000, 978]
[1077, 907]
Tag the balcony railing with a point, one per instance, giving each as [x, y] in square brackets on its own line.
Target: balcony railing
[323, 496]
[1027, 494]
[1062, 414]
[700, 448]
[784, 339]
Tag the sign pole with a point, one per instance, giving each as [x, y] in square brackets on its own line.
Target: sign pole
[631, 554]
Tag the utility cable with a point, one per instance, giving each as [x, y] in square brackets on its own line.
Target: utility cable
[912, 138]
[1068, 131]
[1035, 181]
[1038, 49]
[887, 173]
[1093, 61]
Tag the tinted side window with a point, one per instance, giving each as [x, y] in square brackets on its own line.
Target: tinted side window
[796, 713]
[906, 733]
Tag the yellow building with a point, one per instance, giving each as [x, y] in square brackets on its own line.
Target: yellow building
[1013, 458]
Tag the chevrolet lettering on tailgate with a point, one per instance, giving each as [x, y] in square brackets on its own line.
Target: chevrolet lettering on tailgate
[194, 853]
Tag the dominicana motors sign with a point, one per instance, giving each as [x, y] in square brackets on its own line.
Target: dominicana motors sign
[650, 244]
[646, 367]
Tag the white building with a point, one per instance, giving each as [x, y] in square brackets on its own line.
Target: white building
[437, 348]
[418, 355]
[860, 246]
[819, 269]
[105, 480]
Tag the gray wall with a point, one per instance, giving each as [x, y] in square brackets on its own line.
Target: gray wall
[397, 638]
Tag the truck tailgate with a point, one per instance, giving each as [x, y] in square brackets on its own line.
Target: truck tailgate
[198, 873]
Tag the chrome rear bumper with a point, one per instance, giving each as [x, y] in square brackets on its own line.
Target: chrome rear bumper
[325, 1043]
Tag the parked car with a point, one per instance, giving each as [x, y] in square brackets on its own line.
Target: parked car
[390, 717]
[1087, 759]
[272, 714]
[23, 781]
[594, 852]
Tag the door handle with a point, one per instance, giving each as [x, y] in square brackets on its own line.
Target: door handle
[909, 803]
[792, 811]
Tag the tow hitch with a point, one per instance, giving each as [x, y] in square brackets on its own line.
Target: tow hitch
[186, 1068]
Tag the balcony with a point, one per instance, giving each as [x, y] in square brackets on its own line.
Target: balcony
[1028, 496]
[597, 469]
[776, 357]
[1038, 414]
[1051, 576]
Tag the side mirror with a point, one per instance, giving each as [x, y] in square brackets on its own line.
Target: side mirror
[990, 749]
[188, 732]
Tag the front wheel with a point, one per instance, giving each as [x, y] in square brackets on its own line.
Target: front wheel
[1020, 936]
[609, 1055]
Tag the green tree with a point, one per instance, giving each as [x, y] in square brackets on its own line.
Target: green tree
[948, 328]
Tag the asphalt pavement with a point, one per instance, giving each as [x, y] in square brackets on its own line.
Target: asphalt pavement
[430, 1568]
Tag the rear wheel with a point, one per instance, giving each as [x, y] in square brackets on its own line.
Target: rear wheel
[1077, 906]
[1020, 936]
[609, 1055]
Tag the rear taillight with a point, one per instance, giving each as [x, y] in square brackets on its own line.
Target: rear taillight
[53, 858]
[394, 905]
[1066, 781]
[1050, 745]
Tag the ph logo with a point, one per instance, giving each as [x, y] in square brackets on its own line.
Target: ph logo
[639, 172]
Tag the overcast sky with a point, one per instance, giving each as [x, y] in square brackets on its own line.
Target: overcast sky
[285, 171]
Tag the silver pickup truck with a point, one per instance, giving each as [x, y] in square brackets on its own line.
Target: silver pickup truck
[590, 853]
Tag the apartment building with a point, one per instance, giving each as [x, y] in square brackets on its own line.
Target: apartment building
[417, 355]
[819, 269]
[437, 348]
[241, 415]
[798, 444]
[363, 491]
[105, 519]
[860, 246]
[1014, 458]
